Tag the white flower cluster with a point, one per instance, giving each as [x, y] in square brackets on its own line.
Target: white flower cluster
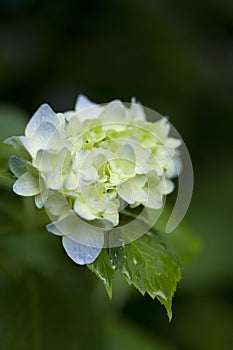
[99, 158]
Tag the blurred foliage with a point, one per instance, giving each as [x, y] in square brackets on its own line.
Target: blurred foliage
[175, 57]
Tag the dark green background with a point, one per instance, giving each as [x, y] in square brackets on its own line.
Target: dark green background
[173, 56]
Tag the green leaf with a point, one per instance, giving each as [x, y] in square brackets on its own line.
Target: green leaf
[103, 268]
[151, 266]
[148, 263]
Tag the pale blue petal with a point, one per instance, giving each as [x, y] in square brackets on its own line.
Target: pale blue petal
[44, 135]
[83, 103]
[17, 166]
[78, 230]
[80, 254]
[43, 114]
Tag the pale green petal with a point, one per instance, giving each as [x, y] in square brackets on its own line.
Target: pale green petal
[74, 126]
[123, 161]
[113, 217]
[138, 180]
[83, 210]
[27, 185]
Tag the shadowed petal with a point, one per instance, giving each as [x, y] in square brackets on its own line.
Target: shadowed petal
[80, 254]
[27, 185]
[43, 114]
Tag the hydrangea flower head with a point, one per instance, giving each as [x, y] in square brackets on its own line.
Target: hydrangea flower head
[87, 165]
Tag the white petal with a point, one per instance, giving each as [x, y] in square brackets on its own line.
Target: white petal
[57, 205]
[87, 109]
[83, 103]
[89, 174]
[155, 200]
[174, 167]
[79, 253]
[27, 185]
[43, 114]
[71, 181]
[29, 145]
[41, 198]
[126, 192]
[45, 135]
[78, 230]
[16, 142]
[172, 142]
[123, 161]
[50, 160]
[136, 111]
[131, 192]
[155, 197]
[17, 166]
[114, 112]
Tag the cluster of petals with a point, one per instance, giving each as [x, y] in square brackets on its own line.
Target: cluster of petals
[84, 166]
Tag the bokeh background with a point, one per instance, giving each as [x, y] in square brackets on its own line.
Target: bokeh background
[175, 57]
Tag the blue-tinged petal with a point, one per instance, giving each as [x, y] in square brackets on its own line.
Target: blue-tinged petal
[43, 114]
[80, 254]
[78, 230]
[27, 185]
[17, 144]
[45, 135]
[83, 103]
[17, 166]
